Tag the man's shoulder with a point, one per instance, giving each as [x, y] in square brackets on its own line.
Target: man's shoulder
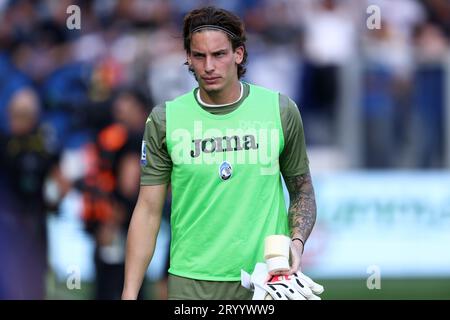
[286, 103]
[159, 108]
[158, 112]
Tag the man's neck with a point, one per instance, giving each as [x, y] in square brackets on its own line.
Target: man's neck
[226, 96]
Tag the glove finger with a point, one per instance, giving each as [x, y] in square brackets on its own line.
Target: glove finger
[302, 287]
[314, 297]
[295, 295]
[275, 293]
[291, 293]
[315, 287]
[287, 289]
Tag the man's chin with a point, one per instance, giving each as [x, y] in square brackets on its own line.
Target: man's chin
[211, 88]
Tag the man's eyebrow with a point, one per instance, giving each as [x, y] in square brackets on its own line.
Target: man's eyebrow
[214, 52]
[220, 51]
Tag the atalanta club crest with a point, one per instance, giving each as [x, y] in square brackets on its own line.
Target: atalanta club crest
[225, 171]
[143, 154]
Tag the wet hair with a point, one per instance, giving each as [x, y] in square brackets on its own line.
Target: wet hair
[216, 19]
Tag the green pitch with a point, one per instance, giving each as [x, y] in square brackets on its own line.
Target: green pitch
[407, 288]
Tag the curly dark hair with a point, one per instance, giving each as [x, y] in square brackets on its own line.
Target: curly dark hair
[221, 18]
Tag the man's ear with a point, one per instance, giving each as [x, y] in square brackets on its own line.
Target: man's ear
[239, 55]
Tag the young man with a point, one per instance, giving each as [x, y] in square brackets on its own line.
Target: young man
[222, 148]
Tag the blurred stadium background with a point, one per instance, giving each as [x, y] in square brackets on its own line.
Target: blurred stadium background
[375, 106]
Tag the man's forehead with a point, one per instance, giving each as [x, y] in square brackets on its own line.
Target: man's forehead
[210, 40]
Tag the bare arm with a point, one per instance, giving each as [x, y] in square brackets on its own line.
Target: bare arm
[142, 233]
[302, 213]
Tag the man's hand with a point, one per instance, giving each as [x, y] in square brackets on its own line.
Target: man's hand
[296, 256]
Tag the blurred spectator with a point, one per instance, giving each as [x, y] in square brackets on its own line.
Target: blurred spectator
[388, 67]
[111, 187]
[381, 72]
[429, 94]
[10, 81]
[329, 43]
[26, 160]
[439, 14]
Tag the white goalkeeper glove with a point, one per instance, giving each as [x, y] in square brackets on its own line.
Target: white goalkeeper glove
[287, 287]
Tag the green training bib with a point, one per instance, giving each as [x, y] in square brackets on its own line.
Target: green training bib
[227, 193]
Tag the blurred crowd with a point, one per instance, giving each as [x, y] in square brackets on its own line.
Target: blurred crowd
[73, 103]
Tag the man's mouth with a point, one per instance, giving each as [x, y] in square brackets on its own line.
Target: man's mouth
[210, 80]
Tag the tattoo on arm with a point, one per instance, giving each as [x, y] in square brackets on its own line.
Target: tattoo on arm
[302, 209]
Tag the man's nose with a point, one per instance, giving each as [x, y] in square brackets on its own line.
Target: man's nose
[209, 64]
